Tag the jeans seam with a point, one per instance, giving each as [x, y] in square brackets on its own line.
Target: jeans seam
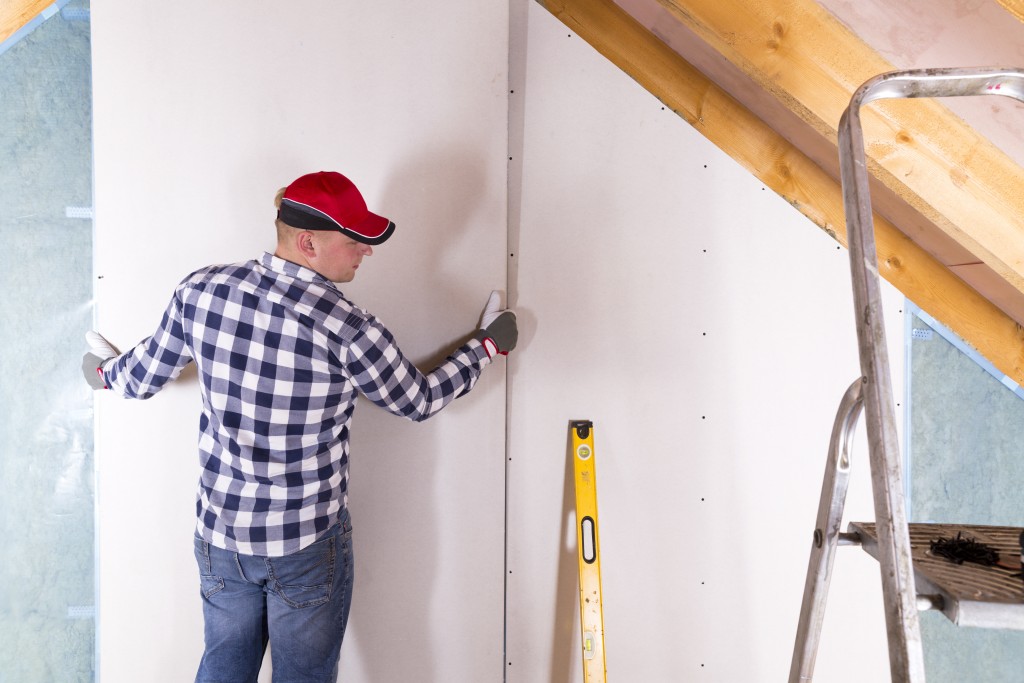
[241, 572]
[328, 585]
[214, 583]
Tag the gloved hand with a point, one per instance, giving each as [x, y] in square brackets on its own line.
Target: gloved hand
[498, 330]
[100, 351]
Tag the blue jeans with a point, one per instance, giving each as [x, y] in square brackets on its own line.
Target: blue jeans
[299, 603]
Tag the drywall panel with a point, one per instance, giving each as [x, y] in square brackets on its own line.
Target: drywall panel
[707, 329]
[203, 110]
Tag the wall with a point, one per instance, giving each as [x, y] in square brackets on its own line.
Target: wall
[202, 111]
[698, 319]
[965, 469]
[46, 464]
[707, 330]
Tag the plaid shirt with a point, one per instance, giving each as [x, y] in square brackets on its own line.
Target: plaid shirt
[282, 356]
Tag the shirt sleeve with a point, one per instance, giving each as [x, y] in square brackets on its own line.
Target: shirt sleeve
[145, 369]
[391, 381]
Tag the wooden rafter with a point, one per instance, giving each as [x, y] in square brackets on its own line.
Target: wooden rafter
[928, 158]
[1014, 7]
[787, 169]
[16, 13]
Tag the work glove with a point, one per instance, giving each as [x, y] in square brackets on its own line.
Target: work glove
[498, 331]
[100, 351]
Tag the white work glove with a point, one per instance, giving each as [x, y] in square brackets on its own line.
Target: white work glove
[498, 330]
[100, 351]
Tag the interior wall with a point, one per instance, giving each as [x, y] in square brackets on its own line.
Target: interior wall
[46, 457]
[202, 111]
[697, 318]
[707, 329]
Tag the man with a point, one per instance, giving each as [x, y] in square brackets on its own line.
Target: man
[281, 357]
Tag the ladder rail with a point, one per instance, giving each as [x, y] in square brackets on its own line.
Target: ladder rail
[906, 656]
[827, 534]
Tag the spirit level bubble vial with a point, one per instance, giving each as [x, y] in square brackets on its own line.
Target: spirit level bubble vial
[589, 552]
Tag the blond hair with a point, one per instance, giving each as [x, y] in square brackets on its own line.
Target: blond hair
[284, 231]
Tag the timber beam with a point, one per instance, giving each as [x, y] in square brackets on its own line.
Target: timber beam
[916, 156]
[16, 13]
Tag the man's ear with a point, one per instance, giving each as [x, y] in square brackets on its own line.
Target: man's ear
[304, 243]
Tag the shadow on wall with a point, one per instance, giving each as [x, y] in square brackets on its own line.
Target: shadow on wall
[567, 640]
[436, 198]
[393, 502]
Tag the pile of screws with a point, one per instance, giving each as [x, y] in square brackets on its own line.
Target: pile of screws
[962, 550]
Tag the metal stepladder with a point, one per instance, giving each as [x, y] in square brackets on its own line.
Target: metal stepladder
[912, 579]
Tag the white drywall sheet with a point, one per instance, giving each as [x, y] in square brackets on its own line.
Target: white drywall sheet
[695, 317]
[202, 111]
[707, 330]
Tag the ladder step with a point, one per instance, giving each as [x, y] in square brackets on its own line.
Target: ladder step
[971, 594]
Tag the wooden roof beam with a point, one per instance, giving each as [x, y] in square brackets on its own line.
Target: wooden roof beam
[1014, 7]
[790, 172]
[940, 182]
[891, 199]
[796, 51]
[16, 13]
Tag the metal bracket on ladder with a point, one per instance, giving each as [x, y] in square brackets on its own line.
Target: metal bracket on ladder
[874, 389]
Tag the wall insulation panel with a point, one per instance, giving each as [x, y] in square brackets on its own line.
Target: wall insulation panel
[47, 577]
[965, 469]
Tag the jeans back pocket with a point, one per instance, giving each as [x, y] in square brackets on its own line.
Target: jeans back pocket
[305, 578]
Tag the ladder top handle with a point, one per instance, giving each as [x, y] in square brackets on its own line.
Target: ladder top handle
[947, 82]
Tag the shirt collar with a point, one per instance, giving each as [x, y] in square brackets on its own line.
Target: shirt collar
[280, 265]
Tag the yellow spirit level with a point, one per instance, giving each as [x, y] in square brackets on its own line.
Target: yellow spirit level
[591, 604]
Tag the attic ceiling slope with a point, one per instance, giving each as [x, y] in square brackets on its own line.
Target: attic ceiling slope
[928, 158]
[16, 13]
[792, 170]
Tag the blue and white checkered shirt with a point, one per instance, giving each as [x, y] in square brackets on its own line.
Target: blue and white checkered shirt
[282, 356]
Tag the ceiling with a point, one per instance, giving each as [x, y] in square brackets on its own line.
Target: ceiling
[767, 81]
[922, 34]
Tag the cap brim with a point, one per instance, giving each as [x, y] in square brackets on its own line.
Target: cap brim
[372, 230]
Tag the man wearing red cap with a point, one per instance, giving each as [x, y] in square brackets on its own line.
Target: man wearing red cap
[282, 356]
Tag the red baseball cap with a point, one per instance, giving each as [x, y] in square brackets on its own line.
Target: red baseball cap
[329, 201]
